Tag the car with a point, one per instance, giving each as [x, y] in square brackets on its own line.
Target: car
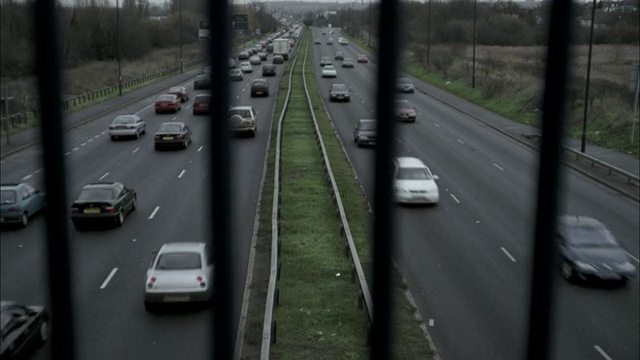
[324, 33]
[244, 55]
[201, 104]
[255, 60]
[202, 82]
[317, 41]
[181, 91]
[207, 70]
[167, 103]
[277, 59]
[262, 55]
[246, 67]
[405, 111]
[329, 71]
[413, 182]
[236, 75]
[180, 272]
[330, 41]
[339, 92]
[102, 201]
[339, 55]
[232, 63]
[127, 125]
[258, 47]
[259, 87]
[270, 47]
[405, 85]
[365, 132]
[24, 329]
[325, 60]
[347, 62]
[268, 70]
[362, 58]
[172, 134]
[343, 41]
[242, 120]
[19, 202]
[588, 251]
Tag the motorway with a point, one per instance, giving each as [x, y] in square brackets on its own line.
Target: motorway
[467, 261]
[109, 266]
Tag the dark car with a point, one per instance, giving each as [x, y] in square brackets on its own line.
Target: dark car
[269, 48]
[181, 91]
[24, 329]
[325, 60]
[100, 201]
[19, 202]
[201, 104]
[405, 85]
[167, 103]
[202, 82]
[339, 55]
[339, 92]
[262, 55]
[244, 55]
[347, 62]
[269, 70]
[259, 87]
[588, 251]
[277, 59]
[172, 134]
[366, 132]
[405, 111]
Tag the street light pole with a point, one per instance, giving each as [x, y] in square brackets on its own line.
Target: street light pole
[586, 92]
[369, 23]
[181, 69]
[429, 36]
[362, 19]
[118, 41]
[475, 35]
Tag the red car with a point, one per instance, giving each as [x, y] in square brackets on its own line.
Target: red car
[405, 111]
[362, 58]
[168, 103]
[201, 104]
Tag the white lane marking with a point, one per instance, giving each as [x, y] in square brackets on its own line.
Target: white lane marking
[90, 140]
[104, 176]
[507, 253]
[75, 149]
[604, 354]
[200, 148]
[399, 141]
[103, 132]
[455, 198]
[68, 153]
[460, 141]
[154, 212]
[134, 150]
[498, 166]
[633, 257]
[38, 171]
[134, 240]
[181, 173]
[26, 178]
[97, 136]
[436, 124]
[83, 144]
[106, 281]
[431, 322]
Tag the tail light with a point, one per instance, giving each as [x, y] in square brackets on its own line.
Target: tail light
[152, 280]
[200, 279]
[14, 209]
[75, 210]
[110, 209]
[179, 137]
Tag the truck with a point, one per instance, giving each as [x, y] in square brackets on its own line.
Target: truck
[281, 47]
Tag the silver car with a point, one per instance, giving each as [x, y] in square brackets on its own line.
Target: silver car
[180, 273]
[127, 125]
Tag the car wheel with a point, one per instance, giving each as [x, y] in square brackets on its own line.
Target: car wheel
[156, 147]
[24, 220]
[567, 271]
[186, 144]
[78, 225]
[120, 218]
[149, 306]
[133, 204]
[43, 332]
[157, 112]
[113, 138]
[137, 134]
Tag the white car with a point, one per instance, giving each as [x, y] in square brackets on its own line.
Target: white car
[329, 71]
[246, 67]
[179, 273]
[413, 182]
[127, 125]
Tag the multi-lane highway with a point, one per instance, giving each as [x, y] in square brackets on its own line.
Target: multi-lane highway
[468, 259]
[109, 266]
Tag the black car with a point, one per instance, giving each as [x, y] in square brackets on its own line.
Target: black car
[339, 92]
[339, 55]
[24, 329]
[259, 87]
[588, 251]
[277, 59]
[366, 132]
[268, 70]
[172, 134]
[244, 55]
[202, 82]
[102, 201]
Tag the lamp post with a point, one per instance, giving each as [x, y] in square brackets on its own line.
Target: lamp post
[475, 35]
[362, 19]
[118, 45]
[181, 37]
[369, 23]
[586, 92]
[429, 36]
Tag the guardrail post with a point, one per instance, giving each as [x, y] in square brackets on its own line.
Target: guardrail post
[273, 331]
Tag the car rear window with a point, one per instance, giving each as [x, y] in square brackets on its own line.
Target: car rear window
[339, 88]
[369, 125]
[179, 261]
[166, 97]
[244, 113]
[7, 197]
[123, 120]
[413, 174]
[170, 128]
[589, 236]
[96, 194]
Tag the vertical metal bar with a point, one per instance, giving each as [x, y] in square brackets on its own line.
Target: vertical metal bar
[429, 36]
[475, 37]
[542, 286]
[583, 143]
[57, 248]
[219, 173]
[118, 45]
[181, 67]
[383, 226]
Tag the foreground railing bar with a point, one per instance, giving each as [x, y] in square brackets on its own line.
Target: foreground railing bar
[219, 172]
[388, 26]
[57, 244]
[549, 181]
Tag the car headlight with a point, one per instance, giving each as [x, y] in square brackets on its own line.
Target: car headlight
[626, 266]
[401, 190]
[584, 266]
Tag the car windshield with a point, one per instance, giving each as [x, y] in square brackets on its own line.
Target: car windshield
[170, 128]
[7, 197]
[97, 194]
[339, 88]
[413, 174]
[123, 120]
[179, 261]
[589, 236]
[166, 98]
